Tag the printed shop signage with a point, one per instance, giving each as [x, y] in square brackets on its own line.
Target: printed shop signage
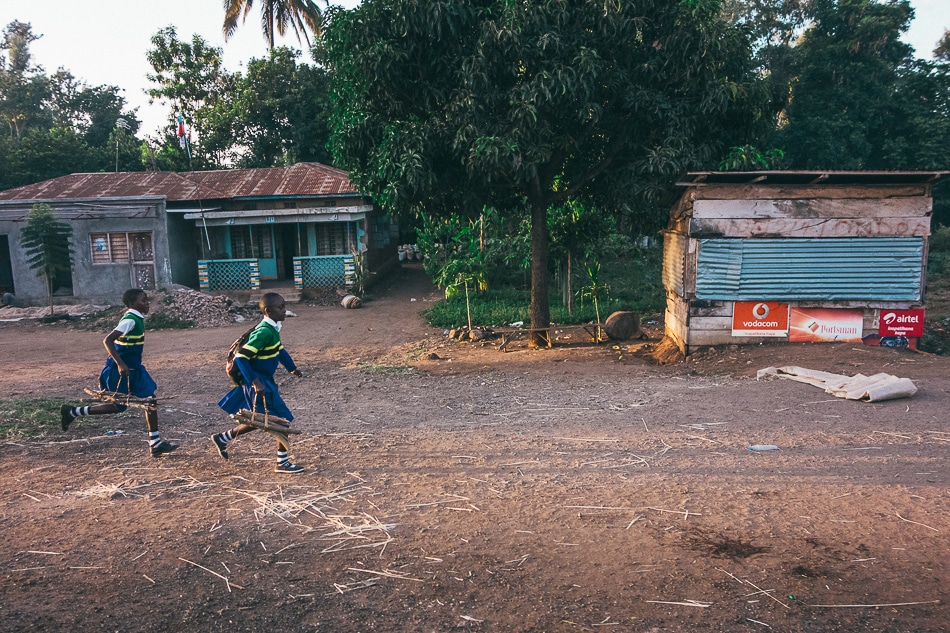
[825, 325]
[759, 318]
[909, 323]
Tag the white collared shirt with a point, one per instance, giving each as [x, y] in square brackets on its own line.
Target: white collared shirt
[125, 325]
[271, 322]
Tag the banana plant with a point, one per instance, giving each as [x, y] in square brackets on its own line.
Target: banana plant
[460, 274]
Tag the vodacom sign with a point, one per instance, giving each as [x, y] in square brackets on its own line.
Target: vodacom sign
[760, 318]
[760, 311]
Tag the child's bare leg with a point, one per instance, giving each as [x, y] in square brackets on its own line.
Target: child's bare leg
[151, 420]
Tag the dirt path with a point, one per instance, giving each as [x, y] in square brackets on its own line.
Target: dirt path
[582, 488]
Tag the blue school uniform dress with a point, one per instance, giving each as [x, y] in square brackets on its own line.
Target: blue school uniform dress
[259, 358]
[129, 346]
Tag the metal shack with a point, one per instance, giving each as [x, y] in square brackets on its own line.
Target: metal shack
[797, 256]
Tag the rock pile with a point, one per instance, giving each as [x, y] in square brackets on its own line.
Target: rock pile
[204, 309]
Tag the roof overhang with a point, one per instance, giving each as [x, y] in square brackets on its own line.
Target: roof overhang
[804, 178]
[278, 216]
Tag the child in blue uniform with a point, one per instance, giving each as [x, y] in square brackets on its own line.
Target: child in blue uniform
[258, 360]
[124, 371]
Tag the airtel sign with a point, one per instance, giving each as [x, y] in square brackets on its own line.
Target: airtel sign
[909, 323]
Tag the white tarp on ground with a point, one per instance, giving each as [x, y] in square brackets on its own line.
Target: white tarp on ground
[860, 387]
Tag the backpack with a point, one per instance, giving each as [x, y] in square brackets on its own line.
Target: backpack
[233, 372]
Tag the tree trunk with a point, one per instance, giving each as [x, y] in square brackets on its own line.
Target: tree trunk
[540, 308]
[570, 286]
[481, 234]
[49, 289]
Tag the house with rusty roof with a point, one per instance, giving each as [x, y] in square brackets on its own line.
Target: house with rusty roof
[303, 226]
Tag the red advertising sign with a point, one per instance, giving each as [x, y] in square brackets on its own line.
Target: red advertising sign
[759, 318]
[909, 323]
[825, 324]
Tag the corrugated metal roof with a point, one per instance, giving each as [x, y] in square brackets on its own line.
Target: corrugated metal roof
[300, 180]
[779, 177]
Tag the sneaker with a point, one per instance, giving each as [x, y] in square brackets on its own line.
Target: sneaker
[66, 416]
[162, 447]
[287, 467]
[220, 445]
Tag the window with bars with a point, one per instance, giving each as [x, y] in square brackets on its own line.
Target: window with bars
[331, 240]
[251, 242]
[120, 248]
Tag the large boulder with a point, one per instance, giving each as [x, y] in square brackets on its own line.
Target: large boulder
[622, 326]
[351, 302]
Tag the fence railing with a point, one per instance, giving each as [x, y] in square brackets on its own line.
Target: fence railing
[229, 274]
[324, 271]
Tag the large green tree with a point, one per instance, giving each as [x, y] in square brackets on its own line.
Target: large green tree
[190, 78]
[276, 16]
[841, 107]
[279, 112]
[57, 124]
[449, 106]
[23, 87]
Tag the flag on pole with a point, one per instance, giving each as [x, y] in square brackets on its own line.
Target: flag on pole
[182, 139]
[181, 131]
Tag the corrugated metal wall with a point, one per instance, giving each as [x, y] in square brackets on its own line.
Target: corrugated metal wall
[783, 269]
[674, 262]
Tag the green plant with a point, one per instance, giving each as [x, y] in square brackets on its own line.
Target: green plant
[46, 242]
[595, 291]
[358, 277]
[464, 266]
[750, 158]
[163, 321]
[939, 241]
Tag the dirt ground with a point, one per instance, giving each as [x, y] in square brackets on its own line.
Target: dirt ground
[581, 488]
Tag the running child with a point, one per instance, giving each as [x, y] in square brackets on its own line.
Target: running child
[257, 361]
[124, 372]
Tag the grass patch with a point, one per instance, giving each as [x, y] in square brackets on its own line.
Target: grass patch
[22, 418]
[28, 417]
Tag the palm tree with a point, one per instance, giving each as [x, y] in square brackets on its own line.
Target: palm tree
[276, 15]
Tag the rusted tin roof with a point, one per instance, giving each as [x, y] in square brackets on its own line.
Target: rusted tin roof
[300, 180]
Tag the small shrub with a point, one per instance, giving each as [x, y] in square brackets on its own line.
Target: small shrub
[162, 321]
[940, 240]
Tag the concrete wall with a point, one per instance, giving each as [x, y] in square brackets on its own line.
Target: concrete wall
[92, 283]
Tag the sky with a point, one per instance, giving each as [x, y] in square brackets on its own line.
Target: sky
[105, 42]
